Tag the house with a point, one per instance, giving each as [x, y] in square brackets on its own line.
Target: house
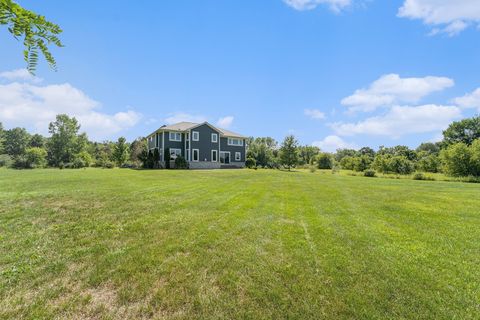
[203, 145]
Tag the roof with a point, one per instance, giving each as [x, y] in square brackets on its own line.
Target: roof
[185, 126]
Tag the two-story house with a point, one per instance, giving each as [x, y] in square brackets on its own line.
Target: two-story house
[203, 145]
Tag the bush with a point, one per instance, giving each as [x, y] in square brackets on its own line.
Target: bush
[312, 169]
[421, 176]
[456, 160]
[79, 163]
[35, 157]
[362, 163]
[85, 157]
[108, 165]
[324, 161]
[347, 163]
[370, 173]
[250, 163]
[181, 163]
[5, 160]
[393, 164]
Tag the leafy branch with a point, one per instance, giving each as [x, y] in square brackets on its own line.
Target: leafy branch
[36, 31]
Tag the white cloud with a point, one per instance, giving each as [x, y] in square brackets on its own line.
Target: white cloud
[225, 122]
[184, 117]
[402, 120]
[35, 106]
[448, 16]
[392, 89]
[314, 114]
[470, 100]
[20, 75]
[335, 5]
[332, 143]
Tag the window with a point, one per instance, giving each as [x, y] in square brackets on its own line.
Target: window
[195, 155]
[235, 142]
[195, 135]
[214, 137]
[187, 136]
[238, 156]
[225, 157]
[188, 155]
[175, 136]
[214, 155]
[174, 153]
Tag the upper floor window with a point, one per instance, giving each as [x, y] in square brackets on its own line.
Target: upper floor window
[195, 135]
[214, 137]
[235, 142]
[175, 136]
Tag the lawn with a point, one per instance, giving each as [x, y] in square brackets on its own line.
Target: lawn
[119, 244]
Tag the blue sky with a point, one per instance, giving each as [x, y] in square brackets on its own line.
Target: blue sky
[335, 73]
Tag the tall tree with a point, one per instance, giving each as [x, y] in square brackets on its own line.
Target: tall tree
[120, 151]
[466, 131]
[263, 150]
[138, 149]
[37, 141]
[63, 144]
[289, 152]
[16, 142]
[36, 32]
[307, 154]
[2, 137]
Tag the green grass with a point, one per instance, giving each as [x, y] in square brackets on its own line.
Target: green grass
[117, 244]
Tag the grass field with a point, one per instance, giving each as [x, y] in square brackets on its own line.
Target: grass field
[116, 244]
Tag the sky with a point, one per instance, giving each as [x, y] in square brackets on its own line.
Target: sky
[334, 73]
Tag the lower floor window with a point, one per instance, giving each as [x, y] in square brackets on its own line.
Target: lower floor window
[174, 153]
[225, 157]
[238, 156]
[195, 155]
[214, 155]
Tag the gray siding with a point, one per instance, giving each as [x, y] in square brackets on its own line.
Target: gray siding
[174, 144]
[232, 149]
[205, 144]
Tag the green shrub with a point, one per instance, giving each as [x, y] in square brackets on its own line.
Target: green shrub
[250, 163]
[109, 165]
[181, 163]
[457, 160]
[79, 163]
[85, 157]
[312, 169]
[324, 161]
[5, 160]
[421, 176]
[369, 173]
[35, 157]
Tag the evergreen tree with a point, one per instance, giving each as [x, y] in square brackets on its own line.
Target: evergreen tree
[120, 151]
[288, 152]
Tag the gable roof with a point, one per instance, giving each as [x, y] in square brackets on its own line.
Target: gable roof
[185, 126]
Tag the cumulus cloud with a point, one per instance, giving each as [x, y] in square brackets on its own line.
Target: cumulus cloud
[19, 75]
[392, 89]
[470, 100]
[333, 143]
[225, 122]
[34, 106]
[335, 5]
[402, 120]
[184, 117]
[445, 16]
[314, 114]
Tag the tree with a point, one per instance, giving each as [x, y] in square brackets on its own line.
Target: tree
[466, 131]
[2, 134]
[16, 142]
[428, 147]
[37, 32]
[138, 150]
[342, 153]
[288, 152]
[120, 151]
[307, 153]
[456, 160]
[37, 141]
[35, 157]
[156, 158]
[263, 150]
[324, 161]
[428, 162]
[362, 162]
[63, 144]
[366, 151]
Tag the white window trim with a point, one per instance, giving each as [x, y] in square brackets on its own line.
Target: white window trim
[193, 136]
[175, 133]
[230, 143]
[216, 155]
[198, 155]
[239, 154]
[216, 137]
[176, 151]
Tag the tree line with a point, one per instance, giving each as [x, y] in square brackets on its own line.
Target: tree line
[67, 148]
[458, 154]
